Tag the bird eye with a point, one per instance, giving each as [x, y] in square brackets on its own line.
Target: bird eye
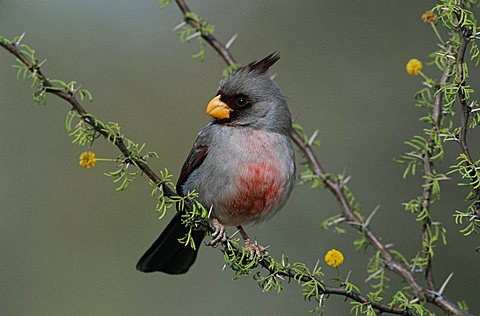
[241, 101]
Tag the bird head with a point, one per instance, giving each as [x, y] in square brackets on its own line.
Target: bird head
[249, 97]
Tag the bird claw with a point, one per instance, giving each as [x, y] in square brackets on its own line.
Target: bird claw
[218, 236]
[256, 251]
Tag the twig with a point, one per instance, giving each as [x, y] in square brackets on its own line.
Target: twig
[212, 41]
[428, 168]
[72, 100]
[436, 115]
[343, 292]
[462, 138]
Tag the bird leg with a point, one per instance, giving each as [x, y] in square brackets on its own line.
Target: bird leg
[255, 249]
[218, 236]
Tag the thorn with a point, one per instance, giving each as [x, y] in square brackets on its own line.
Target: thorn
[238, 230]
[20, 38]
[73, 91]
[427, 84]
[369, 218]
[373, 275]
[210, 212]
[179, 26]
[223, 268]
[441, 46]
[266, 247]
[414, 264]
[414, 300]
[194, 35]
[414, 155]
[389, 245]
[231, 40]
[354, 223]
[40, 64]
[312, 138]
[444, 285]
[348, 276]
[338, 221]
[272, 77]
[316, 265]
[346, 180]
[320, 301]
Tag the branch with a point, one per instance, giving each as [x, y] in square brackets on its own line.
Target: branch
[428, 167]
[222, 51]
[459, 60]
[462, 139]
[72, 100]
[463, 100]
[337, 191]
[341, 291]
[333, 186]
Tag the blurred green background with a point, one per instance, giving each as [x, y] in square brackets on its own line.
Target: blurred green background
[69, 242]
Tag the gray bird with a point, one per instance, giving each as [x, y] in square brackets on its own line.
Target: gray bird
[242, 165]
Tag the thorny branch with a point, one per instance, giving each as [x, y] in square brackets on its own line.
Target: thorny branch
[70, 98]
[462, 138]
[465, 108]
[265, 262]
[427, 170]
[318, 170]
[390, 262]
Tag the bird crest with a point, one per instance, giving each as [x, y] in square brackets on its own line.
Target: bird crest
[263, 65]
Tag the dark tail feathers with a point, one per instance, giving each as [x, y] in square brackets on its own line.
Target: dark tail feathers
[167, 254]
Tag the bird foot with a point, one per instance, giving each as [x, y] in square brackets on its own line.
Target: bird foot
[218, 235]
[256, 251]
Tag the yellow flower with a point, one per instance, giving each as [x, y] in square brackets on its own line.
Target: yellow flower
[414, 66]
[429, 17]
[334, 258]
[87, 160]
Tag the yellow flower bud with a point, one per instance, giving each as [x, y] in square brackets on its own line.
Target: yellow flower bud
[334, 258]
[87, 160]
[429, 17]
[414, 66]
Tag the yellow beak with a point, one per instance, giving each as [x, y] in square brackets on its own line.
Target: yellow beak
[218, 109]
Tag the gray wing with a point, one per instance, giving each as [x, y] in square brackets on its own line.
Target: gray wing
[195, 158]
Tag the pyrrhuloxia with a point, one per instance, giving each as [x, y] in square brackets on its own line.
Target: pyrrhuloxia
[242, 165]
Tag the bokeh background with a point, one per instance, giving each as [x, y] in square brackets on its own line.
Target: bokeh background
[69, 242]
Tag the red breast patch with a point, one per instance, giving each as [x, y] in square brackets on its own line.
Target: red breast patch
[258, 189]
